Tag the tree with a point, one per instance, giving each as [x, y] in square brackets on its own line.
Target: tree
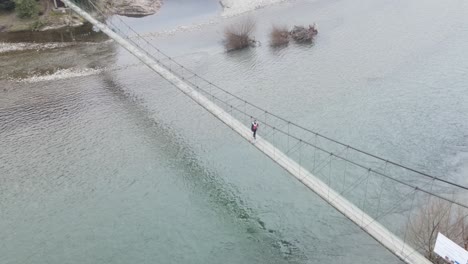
[7, 5]
[434, 217]
[26, 8]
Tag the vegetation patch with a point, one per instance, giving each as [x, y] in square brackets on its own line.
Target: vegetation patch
[279, 36]
[239, 36]
[38, 24]
[26, 8]
[7, 5]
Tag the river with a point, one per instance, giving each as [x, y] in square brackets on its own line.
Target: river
[102, 161]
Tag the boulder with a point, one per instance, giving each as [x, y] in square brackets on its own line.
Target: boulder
[134, 7]
[303, 34]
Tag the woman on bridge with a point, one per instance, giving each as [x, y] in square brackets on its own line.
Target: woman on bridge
[254, 128]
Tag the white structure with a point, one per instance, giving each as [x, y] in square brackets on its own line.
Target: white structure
[450, 251]
[398, 247]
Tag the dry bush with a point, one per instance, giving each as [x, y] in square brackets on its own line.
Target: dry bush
[279, 36]
[437, 216]
[238, 36]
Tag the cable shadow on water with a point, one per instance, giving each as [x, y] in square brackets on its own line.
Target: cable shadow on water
[205, 180]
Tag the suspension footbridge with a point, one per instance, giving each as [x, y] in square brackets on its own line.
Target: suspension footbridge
[285, 142]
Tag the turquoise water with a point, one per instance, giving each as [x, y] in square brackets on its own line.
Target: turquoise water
[119, 167]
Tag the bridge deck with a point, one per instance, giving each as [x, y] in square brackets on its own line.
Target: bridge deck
[348, 209]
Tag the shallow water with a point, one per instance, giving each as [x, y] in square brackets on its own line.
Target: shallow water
[119, 167]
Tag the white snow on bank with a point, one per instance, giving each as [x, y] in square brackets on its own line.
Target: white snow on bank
[62, 74]
[237, 7]
[171, 32]
[10, 47]
[25, 46]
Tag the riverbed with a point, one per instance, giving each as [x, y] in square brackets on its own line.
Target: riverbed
[102, 161]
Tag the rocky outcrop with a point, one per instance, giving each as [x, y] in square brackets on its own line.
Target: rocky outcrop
[61, 21]
[134, 7]
[226, 3]
[303, 34]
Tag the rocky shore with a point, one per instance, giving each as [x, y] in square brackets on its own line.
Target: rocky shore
[50, 19]
[134, 7]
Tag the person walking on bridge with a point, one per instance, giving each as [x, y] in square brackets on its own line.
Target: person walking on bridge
[254, 128]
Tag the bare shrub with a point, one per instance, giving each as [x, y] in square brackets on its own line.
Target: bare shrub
[238, 36]
[279, 36]
[437, 216]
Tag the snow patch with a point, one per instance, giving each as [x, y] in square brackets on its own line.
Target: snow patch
[23, 46]
[237, 7]
[183, 28]
[61, 74]
[6, 47]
